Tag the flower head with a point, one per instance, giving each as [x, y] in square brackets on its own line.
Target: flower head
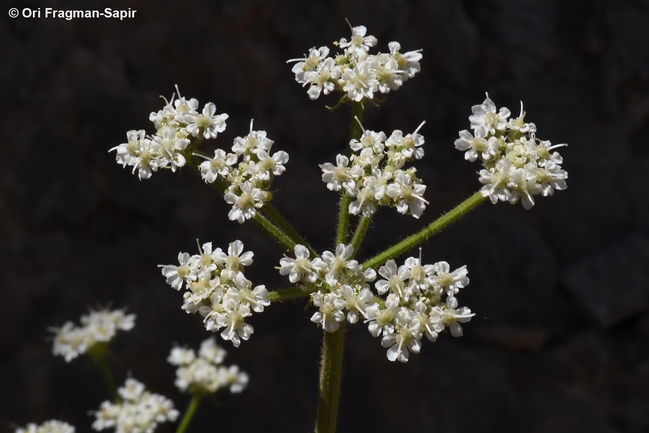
[415, 306]
[516, 164]
[204, 373]
[374, 175]
[175, 124]
[52, 426]
[355, 72]
[218, 290]
[138, 411]
[96, 327]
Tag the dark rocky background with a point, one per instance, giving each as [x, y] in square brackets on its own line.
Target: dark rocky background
[561, 343]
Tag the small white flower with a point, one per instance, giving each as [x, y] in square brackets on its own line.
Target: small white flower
[300, 268]
[268, 165]
[339, 264]
[339, 175]
[359, 43]
[208, 122]
[251, 143]
[403, 340]
[360, 82]
[245, 203]
[220, 165]
[212, 352]
[308, 64]
[381, 320]
[395, 279]
[356, 302]
[450, 282]
[131, 390]
[486, 120]
[452, 316]
[171, 147]
[180, 356]
[407, 62]
[330, 310]
[323, 79]
[387, 74]
[408, 194]
[520, 125]
[478, 146]
[237, 380]
[176, 275]
[233, 262]
[233, 320]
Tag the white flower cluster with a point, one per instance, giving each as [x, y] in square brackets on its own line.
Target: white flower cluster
[421, 299]
[342, 289]
[516, 164]
[415, 307]
[140, 411]
[354, 71]
[100, 326]
[374, 175]
[204, 373]
[218, 290]
[175, 124]
[247, 182]
[52, 426]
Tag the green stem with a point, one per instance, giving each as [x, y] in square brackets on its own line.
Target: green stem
[343, 219]
[189, 413]
[284, 225]
[274, 232]
[361, 230]
[286, 294]
[330, 378]
[433, 228]
[98, 353]
[355, 132]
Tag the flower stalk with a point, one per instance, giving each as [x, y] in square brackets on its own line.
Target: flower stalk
[433, 228]
[189, 413]
[330, 378]
[97, 353]
[361, 230]
[288, 294]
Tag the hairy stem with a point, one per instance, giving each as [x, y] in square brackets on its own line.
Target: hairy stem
[435, 227]
[279, 220]
[343, 219]
[291, 293]
[274, 231]
[359, 235]
[330, 378]
[355, 132]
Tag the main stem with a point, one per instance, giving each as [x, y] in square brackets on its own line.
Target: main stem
[330, 378]
[333, 343]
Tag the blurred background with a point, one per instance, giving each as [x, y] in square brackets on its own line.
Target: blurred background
[560, 342]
